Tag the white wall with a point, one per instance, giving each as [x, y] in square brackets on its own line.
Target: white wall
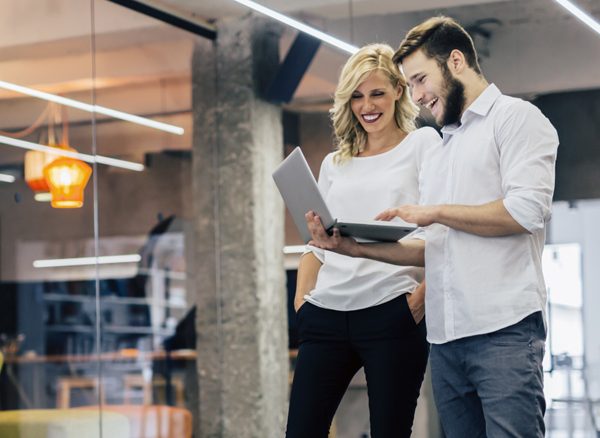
[579, 224]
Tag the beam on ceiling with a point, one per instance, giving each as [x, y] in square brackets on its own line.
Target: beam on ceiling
[292, 69]
[171, 16]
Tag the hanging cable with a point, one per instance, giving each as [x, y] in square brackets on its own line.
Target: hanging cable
[29, 130]
[351, 20]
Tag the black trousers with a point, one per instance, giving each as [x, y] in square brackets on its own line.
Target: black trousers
[334, 345]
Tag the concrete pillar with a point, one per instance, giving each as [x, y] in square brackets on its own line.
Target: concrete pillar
[238, 229]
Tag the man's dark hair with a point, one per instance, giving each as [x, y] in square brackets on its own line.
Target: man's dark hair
[438, 37]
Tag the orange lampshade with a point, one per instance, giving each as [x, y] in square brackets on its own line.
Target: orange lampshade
[67, 178]
[35, 161]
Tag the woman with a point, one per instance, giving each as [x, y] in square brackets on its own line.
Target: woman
[355, 313]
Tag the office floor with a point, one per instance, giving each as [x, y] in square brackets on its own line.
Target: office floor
[563, 420]
[569, 421]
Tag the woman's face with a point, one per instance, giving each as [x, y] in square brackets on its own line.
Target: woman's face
[373, 102]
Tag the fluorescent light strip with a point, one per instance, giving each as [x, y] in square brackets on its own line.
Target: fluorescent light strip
[87, 261]
[65, 153]
[349, 48]
[294, 249]
[92, 108]
[580, 14]
[43, 197]
[119, 163]
[7, 178]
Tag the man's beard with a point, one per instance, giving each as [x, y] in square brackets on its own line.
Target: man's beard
[455, 98]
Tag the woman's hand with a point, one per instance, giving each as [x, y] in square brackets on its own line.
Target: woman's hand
[308, 271]
[298, 303]
[335, 242]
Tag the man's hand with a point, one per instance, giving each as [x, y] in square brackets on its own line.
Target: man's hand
[336, 243]
[486, 220]
[421, 215]
[416, 303]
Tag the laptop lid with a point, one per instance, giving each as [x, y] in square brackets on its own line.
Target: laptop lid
[300, 191]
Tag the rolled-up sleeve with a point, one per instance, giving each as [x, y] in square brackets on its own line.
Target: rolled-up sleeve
[528, 143]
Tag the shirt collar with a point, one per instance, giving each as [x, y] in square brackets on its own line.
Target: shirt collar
[480, 106]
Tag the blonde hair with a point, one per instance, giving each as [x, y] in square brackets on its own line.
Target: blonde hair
[350, 135]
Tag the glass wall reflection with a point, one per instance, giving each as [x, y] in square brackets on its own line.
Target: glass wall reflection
[94, 309]
[147, 337]
[48, 284]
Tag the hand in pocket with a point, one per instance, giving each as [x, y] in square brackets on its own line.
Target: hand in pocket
[416, 303]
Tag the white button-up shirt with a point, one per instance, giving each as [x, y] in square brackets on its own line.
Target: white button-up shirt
[504, 148]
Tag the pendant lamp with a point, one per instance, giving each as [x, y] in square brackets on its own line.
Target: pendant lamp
[35, 161]
[67, 178]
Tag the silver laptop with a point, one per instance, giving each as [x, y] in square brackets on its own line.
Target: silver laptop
[301, 194]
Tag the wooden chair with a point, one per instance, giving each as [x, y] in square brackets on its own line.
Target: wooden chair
[133, 381]
[67, 384]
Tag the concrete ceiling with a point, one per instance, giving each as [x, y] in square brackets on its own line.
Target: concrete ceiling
[328, 9]
[141, 65]
[529, 30]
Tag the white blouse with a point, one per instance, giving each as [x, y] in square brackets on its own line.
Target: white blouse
[357, 190]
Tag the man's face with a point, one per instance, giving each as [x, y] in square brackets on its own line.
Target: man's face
[434, 88]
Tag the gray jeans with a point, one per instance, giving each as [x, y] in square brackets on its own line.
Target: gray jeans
[491, 385]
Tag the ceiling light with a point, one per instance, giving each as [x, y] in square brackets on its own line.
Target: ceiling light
[349, 48]
[87, 261]
[67, 179]
[294, 249]
[43, 197]
[580, 14]
[6, 178]
[33, 165]
[70, 154]
[92, 108]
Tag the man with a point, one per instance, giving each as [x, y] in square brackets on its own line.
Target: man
[486, 194]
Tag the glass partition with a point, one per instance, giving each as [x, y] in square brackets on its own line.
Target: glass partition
[147, 338]
[48, 323]
[94, 211]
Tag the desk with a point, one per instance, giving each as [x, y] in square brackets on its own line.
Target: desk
[36, 376]
[130, 355]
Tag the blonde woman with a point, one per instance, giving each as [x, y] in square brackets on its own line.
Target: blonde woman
[355, 313]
